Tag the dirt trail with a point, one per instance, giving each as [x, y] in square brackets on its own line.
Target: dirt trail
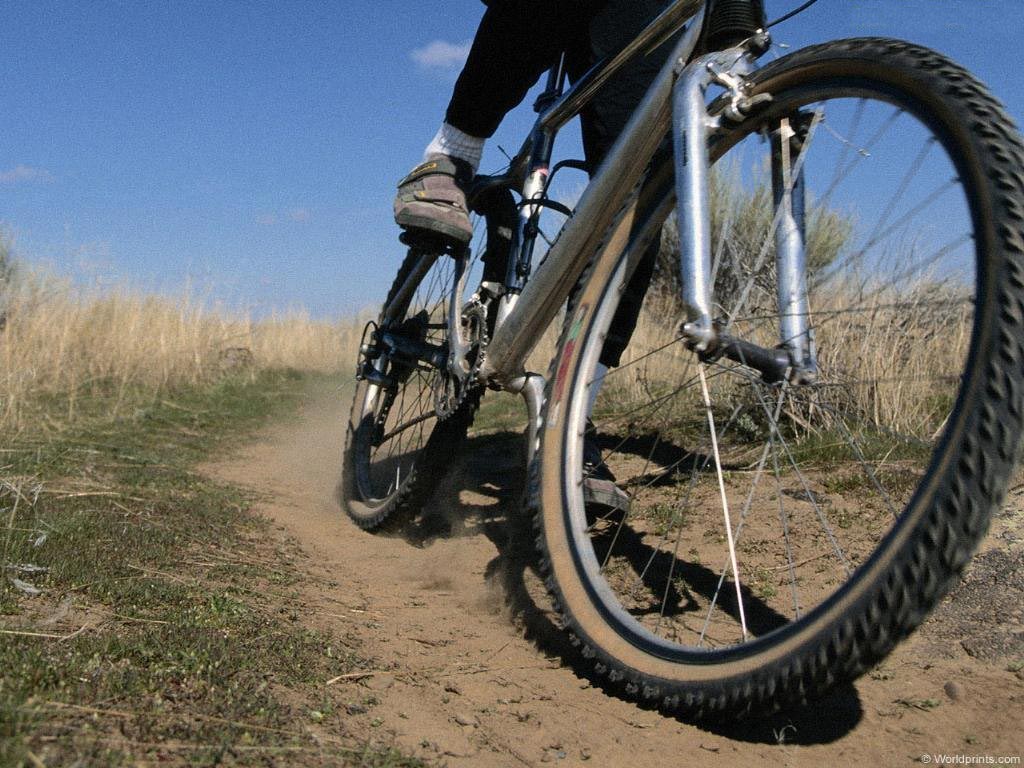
[469, 671]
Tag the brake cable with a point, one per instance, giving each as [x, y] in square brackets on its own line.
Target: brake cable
[791, 14]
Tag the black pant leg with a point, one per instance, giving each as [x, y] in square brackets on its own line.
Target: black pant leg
[516, 41]
[612, 27]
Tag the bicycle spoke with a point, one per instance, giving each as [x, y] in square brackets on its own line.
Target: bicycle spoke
[743, 517]
[862, 153]
[627, 365]
[407, 425]
[784, 520]
[725, 501]
[847, 143]
[859, 452]
[807, 490]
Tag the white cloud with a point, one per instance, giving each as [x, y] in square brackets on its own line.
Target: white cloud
[300, 215]
[24, 173]
[440, 54]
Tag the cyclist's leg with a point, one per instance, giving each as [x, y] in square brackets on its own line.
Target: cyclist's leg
[628, 312]
[617, 23]
[516, 41]
[613, 26]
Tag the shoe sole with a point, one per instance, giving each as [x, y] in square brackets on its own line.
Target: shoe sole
[424, 224]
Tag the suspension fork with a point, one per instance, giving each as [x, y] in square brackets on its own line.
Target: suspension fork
[692, 128]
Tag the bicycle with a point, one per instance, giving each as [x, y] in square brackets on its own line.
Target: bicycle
[814, 452]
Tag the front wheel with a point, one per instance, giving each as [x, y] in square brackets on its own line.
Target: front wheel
[783, 537]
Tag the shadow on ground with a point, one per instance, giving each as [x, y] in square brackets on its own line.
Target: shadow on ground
[489, 472]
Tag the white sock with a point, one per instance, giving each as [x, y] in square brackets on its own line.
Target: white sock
[595, 387]
[454, 143]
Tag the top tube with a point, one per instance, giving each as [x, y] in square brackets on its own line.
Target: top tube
[654, 34]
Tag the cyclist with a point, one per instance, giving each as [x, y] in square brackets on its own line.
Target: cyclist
[516, 42]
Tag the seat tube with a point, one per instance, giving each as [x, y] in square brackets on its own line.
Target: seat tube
[543, 142]
[790, 200]
[525, 237]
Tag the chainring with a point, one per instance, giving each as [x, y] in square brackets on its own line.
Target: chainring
[451, 391]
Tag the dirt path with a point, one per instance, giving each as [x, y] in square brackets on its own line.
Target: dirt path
[468, 662]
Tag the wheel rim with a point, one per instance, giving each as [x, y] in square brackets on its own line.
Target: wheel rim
[662, 573]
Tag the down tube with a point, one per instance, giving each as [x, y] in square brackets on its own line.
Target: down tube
[554, 278]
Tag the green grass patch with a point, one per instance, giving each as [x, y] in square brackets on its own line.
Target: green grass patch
[146, 614]
[665, 517]
[500, 412]
[841, 447]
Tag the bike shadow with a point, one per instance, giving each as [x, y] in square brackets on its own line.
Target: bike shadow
[490, 472]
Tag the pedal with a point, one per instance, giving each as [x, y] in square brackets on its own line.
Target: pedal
[605, 494]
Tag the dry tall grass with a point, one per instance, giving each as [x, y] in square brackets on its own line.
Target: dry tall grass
[891, 337]
[890, 358]
[61, 346]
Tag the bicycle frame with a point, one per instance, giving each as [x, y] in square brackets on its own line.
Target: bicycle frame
[528, 303]
[523, 315]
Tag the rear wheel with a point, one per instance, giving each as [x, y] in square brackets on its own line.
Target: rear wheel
[783, 536]
[408, 415]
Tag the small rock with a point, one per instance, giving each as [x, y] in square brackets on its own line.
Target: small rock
[585, 754]
[29, 589]
[379, 682]
[953, 690]
[453, 688]
[467, 719]
[356, 709]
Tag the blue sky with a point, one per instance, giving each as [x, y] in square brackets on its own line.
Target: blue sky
[250, 149]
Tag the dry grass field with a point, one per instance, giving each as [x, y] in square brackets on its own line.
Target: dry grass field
[65, 349]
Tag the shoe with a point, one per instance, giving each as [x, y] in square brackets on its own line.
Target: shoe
[599, 488]
[432, 198]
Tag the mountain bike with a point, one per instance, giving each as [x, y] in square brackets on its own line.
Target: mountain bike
[821, 402]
